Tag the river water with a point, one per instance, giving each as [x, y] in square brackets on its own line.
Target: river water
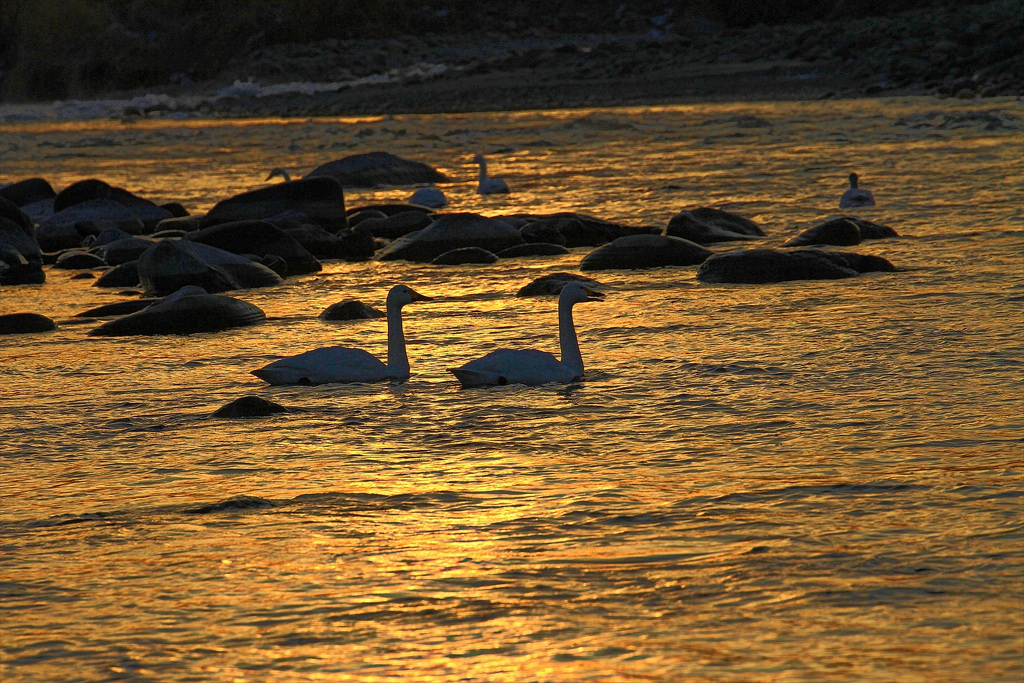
[803, 481]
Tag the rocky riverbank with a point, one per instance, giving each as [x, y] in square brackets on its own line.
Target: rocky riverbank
[958, 51]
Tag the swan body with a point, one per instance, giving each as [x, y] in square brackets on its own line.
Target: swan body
[856, 196]
[532, 367]
[489, 185]
[429, 196]
[280, 172]
[343, 364]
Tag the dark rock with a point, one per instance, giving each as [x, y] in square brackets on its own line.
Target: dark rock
[397, 225]
[390, 209]
[236, 503]
[714, 227]
[79, 260]
[27, 191]
[187, 311]
[757, 266]
[838, 231]
[66, 229]
[89, 190]
[645, 251]
[172, 264]
[260, 238]
[350, 310]
[124, 275]
[551, 285]
[452, 231]
[377, 169]
[464, 255]
[320, 198]
[872, 231]
[249, 406]
[727, 220]
[10, 211]
[179, 225]
[533, 249]
[175, 209]
[578, 230]
[25, 323]
[117, 308]
[123, 250]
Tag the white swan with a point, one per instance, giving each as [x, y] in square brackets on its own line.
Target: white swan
[280, 172]
[489, 185]
[429, 196]
[342, 364]
[856, 196]
[508, 366]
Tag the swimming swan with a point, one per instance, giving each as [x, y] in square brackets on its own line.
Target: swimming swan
[341, 364]
[489, 185]
[508, 366]
[855, 196]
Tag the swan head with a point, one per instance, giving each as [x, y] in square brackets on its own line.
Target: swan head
[479, 159]
[279, 172]
[853, 180]
[400, 295]
[577, 292]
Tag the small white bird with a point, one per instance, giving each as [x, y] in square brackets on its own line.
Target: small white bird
[342, 364]
[429, 196]
[489, 185]
[510, 366]
[280, 172]
[855, 196]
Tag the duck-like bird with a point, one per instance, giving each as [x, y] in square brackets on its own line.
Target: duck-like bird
[489, 185]
[856, 196]
[342, 364]
[510, 366]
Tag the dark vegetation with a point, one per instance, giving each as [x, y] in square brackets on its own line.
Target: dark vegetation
[55, 49]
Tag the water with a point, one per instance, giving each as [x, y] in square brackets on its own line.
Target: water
[804, 481]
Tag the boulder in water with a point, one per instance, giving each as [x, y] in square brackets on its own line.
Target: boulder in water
[320, 198]
[840, 232]
[708, 226]
[25, 323]
[452, 231]
[377, 169]
[350, 310]
[250, 406]
[759, 266]
[552, 284]
[260, 238]
[187, 311]
[645, 251]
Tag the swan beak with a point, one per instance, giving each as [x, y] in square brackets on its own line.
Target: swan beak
[416, 296]
[593, 295]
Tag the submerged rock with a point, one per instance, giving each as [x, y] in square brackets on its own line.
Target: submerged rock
[552, 284]
[759, 266]
[350, 310]
[840, 232]
[250, 406]
[377, 169]
[465, 255]
[25, 323]
[645, 251]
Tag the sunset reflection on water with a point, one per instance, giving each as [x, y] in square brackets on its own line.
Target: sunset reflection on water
[801, 481]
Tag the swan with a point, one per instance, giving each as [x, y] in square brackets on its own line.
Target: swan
[489, 185]
[855, 196]
[280, 172]
[509, 366]
[429, 196]
[342, 364]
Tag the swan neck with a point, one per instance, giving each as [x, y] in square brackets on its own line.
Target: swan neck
[483, 170]
[398, 360]
[567, 338]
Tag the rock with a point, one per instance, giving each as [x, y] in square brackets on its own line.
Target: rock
[533, 249]
[390, 209]
[320, 198]
[67, 228]
[250, 406]
[172, 264]
[347, 245]
[187, 311]
[117, 308]
[260, 238]
[452, 231]
[79, 260]
[708, 226]
[123, 250]
[350, 310]
[377, 169]
[551, 285]
[124, 275]
[464, 255]
[578, 230]
[11, 212]
[872, 231]
[21, 260]
[758, 266]
[25, 323]
[397, 225]
[431, 197]
[645, 251]
[89, 190]
[27, 191]
[838, 231]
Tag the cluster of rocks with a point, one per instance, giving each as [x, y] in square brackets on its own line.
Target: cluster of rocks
[176, 265]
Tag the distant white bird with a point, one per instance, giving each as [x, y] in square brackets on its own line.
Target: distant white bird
[342, 364]
[855, 196]
[429, 196]
[489, 185]
[280, 172]
[509, 366]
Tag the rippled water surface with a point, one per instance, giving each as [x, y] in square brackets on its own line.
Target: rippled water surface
[802, 481]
